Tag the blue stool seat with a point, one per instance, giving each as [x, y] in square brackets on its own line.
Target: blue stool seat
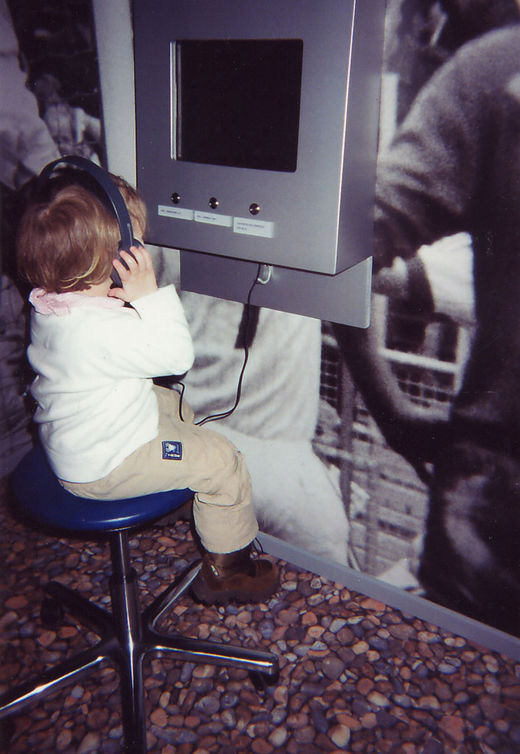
[42, 498]
[127, 634]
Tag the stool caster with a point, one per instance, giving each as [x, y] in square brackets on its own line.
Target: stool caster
[262, 682]
[51, 612]
[7, 728]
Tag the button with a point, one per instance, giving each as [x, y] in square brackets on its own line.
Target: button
[213, 202]
[175, 197]
[254, 208]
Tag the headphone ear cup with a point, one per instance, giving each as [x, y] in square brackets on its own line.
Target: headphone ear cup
[116, 279]
[114, 275]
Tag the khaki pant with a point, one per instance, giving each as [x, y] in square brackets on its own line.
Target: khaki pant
[210, 465]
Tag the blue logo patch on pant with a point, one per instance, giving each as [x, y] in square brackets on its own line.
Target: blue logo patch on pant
[172, 450]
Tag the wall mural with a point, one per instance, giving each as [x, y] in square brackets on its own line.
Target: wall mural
[394, 450]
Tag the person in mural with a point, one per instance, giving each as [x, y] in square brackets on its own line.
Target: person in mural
[422, 34]
[454, 166]
[25, 142]
[73, 130]
[25, 147]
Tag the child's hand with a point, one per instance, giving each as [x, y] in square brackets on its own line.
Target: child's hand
[137, 281]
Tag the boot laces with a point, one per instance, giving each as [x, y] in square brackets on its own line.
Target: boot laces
[256, 548]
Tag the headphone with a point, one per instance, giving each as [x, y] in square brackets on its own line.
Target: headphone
[108, 193]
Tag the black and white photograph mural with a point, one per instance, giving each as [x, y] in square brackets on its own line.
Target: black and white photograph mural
[446, 209]
[392, 451]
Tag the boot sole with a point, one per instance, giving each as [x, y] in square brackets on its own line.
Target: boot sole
[208, 596]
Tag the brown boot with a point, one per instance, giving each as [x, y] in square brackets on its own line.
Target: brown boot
[234, 576]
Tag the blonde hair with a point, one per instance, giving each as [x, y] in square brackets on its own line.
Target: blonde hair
[135, 205]
[68, 242]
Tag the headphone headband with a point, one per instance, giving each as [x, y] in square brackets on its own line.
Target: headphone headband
[110, 196]
[114, 200]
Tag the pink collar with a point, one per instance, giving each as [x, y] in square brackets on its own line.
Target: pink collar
[63, 303]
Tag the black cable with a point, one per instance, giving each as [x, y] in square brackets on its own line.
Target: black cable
[224, 414]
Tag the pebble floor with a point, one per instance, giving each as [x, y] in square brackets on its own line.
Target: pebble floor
[356, 675]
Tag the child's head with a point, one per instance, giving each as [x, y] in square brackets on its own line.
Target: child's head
[67, 241]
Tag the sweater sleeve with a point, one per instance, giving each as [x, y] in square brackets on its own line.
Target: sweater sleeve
[428, 178]
[151, 341]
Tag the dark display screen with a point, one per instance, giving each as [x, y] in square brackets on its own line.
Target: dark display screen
[238, 102]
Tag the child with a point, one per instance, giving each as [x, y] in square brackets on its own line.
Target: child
[108, 431]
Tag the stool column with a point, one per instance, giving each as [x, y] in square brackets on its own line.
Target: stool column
[128, 629]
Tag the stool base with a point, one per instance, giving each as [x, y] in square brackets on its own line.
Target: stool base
[126, 637]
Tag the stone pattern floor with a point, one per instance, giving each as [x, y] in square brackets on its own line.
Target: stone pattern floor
[356, 675]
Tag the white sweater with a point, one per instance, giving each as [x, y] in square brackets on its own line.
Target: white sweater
[94, 363]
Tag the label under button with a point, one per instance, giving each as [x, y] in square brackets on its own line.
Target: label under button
[250, 227]
[210, 218]
[179, 213]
